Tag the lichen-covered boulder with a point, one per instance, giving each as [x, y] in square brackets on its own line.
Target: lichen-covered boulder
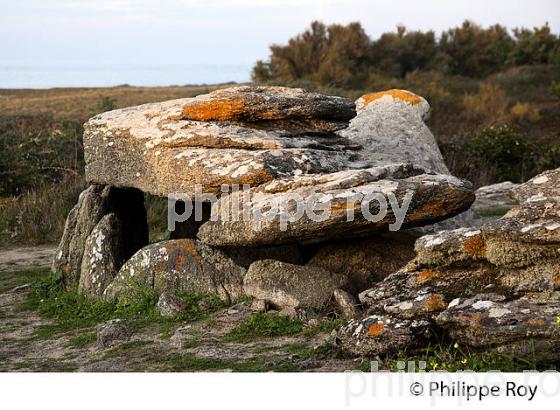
[390, 127]
[182, 265]
[189, 266]
[277, 107]
[241, 135]
[94, 203]
[494, 287]
[313, 208]
[91, 207]
[366, 261]
[112, 332]
[525, 327]
[383, 335]
[102, 256]
[291, 286]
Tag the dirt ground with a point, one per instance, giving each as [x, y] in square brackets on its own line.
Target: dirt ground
[16, 259]
[194, 346]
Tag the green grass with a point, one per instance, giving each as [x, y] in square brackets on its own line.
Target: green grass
[453, 357]
[10, 280]
[71, 310]
[191, 344]
[493, 212]
[260, 325]
[320, 352]
[324, 326]
[83, 340]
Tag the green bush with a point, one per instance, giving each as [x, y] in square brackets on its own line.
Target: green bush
[344, 56]
[499, 154]
[37, 150]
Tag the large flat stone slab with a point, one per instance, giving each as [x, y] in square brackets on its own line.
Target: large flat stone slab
[432, 197]
[160, 148]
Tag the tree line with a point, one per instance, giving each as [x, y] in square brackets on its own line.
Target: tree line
[344, 56]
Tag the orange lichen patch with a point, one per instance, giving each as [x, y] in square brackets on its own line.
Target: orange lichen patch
[376, 329]
[435, 303]
[426, 276]
[556, 282]
[180, 249]
[530, 294]
[475, 246]
[536, 322]
[402, 95]
[473, 322]
[216, 110]
[431, 209]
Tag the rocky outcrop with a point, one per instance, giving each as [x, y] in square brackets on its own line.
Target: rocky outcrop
[494, 199]
[102, 256]
[366, 261]
[312, 208]
[104, 228]
[284, 285]
[390, 127]
[494, 287]
[227, 137]
[189, 266]
[314, 172]
[91, 207]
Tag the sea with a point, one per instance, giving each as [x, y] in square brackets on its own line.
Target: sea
[109, 75]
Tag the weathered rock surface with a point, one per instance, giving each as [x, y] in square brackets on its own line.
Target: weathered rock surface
[274, 132]
[273, 106]
[182, 265]
[492, 202]
[366, 261]
[187, 265]
[494, 287]
[346, 304]
[495, 197]
[390, 127]
[331, 206]
[117, 238]
[291, 286]
[279, 141]
[170, 304]
[91, 207]
[102, 256]
[113, 331]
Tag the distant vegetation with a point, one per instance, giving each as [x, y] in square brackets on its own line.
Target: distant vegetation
[495, 95]
[345, 57]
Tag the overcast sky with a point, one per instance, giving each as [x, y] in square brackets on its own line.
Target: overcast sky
[164, 32]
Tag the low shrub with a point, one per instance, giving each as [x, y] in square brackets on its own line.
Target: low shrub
[38, 216]
[498, 154]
